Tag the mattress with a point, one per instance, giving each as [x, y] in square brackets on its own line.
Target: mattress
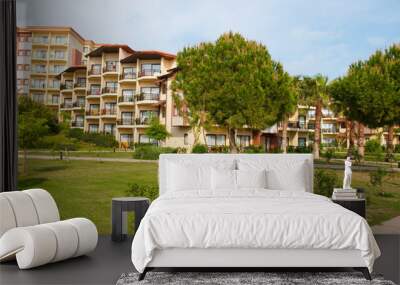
[250, 219]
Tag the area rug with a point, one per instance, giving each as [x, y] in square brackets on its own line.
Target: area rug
[243, 278]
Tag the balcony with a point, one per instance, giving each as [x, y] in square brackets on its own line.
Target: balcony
[57, 57]
[94, 72]
[110, 69]
[147, 97]
[126, 99]
[329, 130]
[78, 104]
[142, 121]
[40, 41]
[77, 124]
[149, 72]
[38, 85]
[126, 122]
[92, 113]
[39, 56]
[53, 86]
[127, 76]
[66, 105]
[110, 91]
[109, 112]
[59, 42]
[41, 71]
[66, 86]
[93, 93]
[80, 85]
[53, 70]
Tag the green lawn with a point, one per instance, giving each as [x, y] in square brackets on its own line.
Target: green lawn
[85, 188]
[101, 154]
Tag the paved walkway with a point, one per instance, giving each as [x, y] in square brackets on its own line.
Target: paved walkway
[389, 227]
[111, 159]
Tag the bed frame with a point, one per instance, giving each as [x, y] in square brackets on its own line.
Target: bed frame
[238, 259]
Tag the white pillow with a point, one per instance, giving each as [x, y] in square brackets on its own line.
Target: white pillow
[251, 178]
[223, 179]
[278, 179]
[181, 177]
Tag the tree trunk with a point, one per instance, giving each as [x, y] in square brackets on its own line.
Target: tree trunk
[25, 161]
[389, 142]
[284, 135]
[317, 132]
[361, 139]
[232, 140]
[348, 130]
[351, 137]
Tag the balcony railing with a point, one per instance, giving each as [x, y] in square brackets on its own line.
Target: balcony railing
[142, 121]
[311, 126]
[126, 122]
[64, 86]
[94, 71]
[58, 57]
[66, 105]
[38, 85]
[40, 40]
[129, 75]
[95, 92]
[108, 111]
[92, 112]
[129, 99]
[149, 72]
[148, 97]
[61, 41]
[110, 69]
[79, 104]
[108, 132]
[38, 70]
[77, 124]
[328, 130]
[106, 90]
[80, 85]
[56, 70]
[53, 85]
[39, 56]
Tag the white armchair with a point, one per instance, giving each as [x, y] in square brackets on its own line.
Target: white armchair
[31, 230]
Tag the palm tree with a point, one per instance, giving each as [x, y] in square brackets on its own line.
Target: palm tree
[314, 93]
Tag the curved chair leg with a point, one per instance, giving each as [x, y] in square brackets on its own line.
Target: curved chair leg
[143, 274]
[364, 271]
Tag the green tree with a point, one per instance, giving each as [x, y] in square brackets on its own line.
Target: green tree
[233, 83]
[156, 130]
[370, 91]
[314, 92]
[30, 130]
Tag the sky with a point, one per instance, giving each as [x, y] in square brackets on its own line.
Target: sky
[307, 37]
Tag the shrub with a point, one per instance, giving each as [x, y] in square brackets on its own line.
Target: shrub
[397, 148]
[75, 133]
[219, 149]
[141, 190]
[57, 142]
[373, 146]
[151, 152]
[356, 155]
[199, 148]
[324, 182]
[299, 149]
[253, 149]
[329, 154]
[181, 150]
[376, 177]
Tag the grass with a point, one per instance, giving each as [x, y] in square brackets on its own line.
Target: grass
[84, 153]
[85, 188]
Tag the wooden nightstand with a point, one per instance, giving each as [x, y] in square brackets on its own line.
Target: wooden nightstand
[355, 205]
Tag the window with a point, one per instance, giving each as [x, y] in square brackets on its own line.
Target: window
[110, 108]
[150, 69]
[85, 50]
[145, 139]
[301, 142]
[81, 82]
[186, 139]
[94, 110]
[149, 93]
[328, 141]
[129, 73]
[243, 140]
[126, 138]
[40, 54]
[38, 83]
[328, 128]
[311, 114]
[109, 129]
[213, 140]
[147, 115]
[54, 99]
[111, 65]
[69, 84]
[127, 118]
[111, 86]
[68, 103]
[302, 122]
[95, 70]
[60, 40]
[57, 68]
[38, 97]
[39, 68]
[58, 54]
[127, 95]
[54, 83]
[93, 128]
[27, 67]
[80, 101]
[41, 39]
[95, 89]
[327, 113]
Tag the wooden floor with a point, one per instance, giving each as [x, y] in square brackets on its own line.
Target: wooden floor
[110, 260]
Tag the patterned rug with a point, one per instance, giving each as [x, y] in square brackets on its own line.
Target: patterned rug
[243, 278]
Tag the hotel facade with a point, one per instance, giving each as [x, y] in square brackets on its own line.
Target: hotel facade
[113, 89]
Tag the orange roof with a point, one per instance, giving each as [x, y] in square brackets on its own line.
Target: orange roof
[72, 68]
[109, 48]
[147, 54]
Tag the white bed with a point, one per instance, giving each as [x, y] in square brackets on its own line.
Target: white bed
[216, 224]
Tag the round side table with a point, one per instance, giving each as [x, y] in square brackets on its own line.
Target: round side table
[120, 207]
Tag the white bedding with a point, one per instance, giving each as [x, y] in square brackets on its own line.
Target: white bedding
[251, 218]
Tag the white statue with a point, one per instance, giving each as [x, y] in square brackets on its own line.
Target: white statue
[347, 174]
